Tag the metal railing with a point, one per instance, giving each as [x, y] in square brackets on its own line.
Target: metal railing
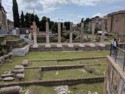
[118, 55]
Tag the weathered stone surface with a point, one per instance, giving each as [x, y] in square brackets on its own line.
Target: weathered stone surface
[8, 79]
[21, 51]
[2, 58]
[6, 56]
[61, 89]
[6, 75]
[1, 62]
[10, 90]
[19, 67]
[25, 63]
[20, 76]
[18, 71]
[97, 72]
[10, 54]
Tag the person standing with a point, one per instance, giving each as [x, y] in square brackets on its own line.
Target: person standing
[114, 48]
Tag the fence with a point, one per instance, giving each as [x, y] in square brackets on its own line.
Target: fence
[118, 55]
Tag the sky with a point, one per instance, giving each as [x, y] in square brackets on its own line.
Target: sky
[66, 10]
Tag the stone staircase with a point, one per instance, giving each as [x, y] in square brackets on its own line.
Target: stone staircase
[19, 43]
[20, 47]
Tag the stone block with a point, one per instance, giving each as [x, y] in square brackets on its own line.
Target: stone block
[6, 75]
[8, 79]
[21, 51]
[81, 45]
[10, 90]
[19, 67]
[25, 63]
[47, 45]
[70, 45]
[20, 76]
[59, 45]
[18, 71]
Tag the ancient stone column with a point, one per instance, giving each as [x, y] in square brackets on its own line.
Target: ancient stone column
[102, 44]
[35, 45]
[93, 24]
[82, 33]
[70, 36]
[59, 35]
[47, 35]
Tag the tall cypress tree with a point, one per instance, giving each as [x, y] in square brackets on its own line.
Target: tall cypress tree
[22, 20]
[16, 14]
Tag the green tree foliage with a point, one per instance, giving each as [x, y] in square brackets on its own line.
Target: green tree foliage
[22, 20]
[67, 25]
[27, 20]
[15, 14]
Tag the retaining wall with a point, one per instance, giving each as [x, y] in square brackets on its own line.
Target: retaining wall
[115, 78]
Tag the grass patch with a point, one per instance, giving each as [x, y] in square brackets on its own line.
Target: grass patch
[78, 62]
[75, 89]
[71, 73]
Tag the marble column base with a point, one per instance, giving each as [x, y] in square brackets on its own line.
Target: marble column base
[35, 45]
[70, 45]
[59, 45]
[48, 45]
[92, 45]
[102, 44]
[81, 45]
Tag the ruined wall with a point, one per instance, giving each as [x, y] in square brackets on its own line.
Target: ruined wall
[116, 22]
[115, 79]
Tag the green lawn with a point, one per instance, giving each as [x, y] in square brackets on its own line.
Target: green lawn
[50, 55]
[78, 62]
[75, 89]
[33, 74]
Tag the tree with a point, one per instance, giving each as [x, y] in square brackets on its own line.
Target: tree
[15, 14]
[67, 25]
[82, 20]
[22, 20]
[27, 20]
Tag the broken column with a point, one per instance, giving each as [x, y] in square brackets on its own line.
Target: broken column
[70, 36]
[35, 45]
[82, 32]
[102, 44]
[59, 35]
[47, 35]
[93, 24]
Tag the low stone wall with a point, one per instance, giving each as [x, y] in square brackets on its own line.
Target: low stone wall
[56, 82]
[87, 48]
[61, 67]
[115, 78]
[68, 59]
[75, 48]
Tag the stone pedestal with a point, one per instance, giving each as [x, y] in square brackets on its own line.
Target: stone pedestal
[59, 45]
[70, 45]
[102, 44]
[92, 45]
[81, 45]
[47, 45]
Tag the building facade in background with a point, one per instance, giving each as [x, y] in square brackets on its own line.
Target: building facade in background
[116, 23]
[3, 17]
